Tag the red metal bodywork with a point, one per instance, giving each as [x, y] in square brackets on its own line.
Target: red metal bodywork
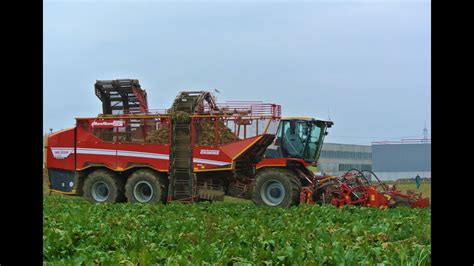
[369, 196]
[87, 150]
[280, 162]
[61, 145]
[79, 148]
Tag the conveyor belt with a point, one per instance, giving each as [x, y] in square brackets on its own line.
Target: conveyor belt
[121, 96]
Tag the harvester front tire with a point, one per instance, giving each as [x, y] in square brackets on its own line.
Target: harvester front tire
[103, 186]
[276, 188]
[146, 186]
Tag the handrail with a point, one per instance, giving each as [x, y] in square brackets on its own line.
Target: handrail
[253, 108]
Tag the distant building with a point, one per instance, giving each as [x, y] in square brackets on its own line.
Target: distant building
[393, 160]
[337, 159]
[389, 160]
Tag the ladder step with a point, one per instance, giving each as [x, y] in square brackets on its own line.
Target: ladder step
[182, 125]
[182, 176]
[181, 154]
[182, 148]
[181, 182]
[181, 171]
[181, 160]
[182, 135]
[181, 163]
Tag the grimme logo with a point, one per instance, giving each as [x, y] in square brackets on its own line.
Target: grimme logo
[210, 152]
[115, 123]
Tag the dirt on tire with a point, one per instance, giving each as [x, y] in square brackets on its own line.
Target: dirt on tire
[116, 193]
[158, 183]
[288, 179]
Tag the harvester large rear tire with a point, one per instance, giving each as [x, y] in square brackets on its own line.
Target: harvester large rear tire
[276, 188]
[146, 186]
[103, 186]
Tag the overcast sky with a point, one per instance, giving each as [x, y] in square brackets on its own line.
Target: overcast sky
[364, 63]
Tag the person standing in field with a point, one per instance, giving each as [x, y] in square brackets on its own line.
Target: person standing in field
[418, 181]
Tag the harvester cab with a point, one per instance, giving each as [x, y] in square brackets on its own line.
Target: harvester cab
[283, 178]
[299, 137]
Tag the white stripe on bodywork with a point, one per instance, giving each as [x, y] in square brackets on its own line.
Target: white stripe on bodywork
[197, 160]
[134, 154]
[143, 154]
[95, 151]
[62, 148]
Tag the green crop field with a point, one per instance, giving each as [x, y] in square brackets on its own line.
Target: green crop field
[75, 231]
